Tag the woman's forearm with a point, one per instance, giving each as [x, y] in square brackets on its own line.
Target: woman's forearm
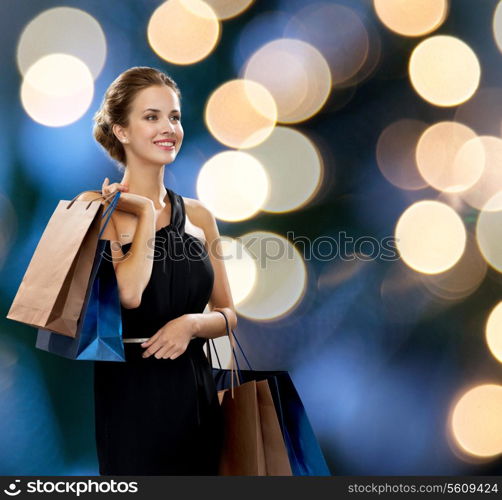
[212, 325]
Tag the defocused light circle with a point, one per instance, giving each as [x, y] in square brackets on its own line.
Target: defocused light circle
[476, 421]
[396, 154]
[57, 90]
[280, 280]
[294, 168]
[338, 32]
[183, 31]
[430, 237]
[240, 267]
[234, 185]
[241, 113]
[441, 160]
[444, 70]
[463, 278]
[487, 151]
[494, 331]
[63, 30]
[497, 25]
[411, 17]
[227, 9]
[489, 231]
[296, 75]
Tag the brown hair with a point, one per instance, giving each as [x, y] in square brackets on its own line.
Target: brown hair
[116, 106]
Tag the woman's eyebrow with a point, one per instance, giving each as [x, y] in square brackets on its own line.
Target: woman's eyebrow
[158, 110]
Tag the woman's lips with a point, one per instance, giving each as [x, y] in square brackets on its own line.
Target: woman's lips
[166, 148]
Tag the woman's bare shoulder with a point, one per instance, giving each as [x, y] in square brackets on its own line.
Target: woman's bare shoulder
[197, 211]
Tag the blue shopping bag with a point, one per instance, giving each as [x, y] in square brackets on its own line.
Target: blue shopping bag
[304, 453]
[99, 331]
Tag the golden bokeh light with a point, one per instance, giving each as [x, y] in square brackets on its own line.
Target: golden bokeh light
[444, 70]
[183, 31]
[463, 279]
[430, 237]
[234, 185]
[240, 267]
[294, 167]
[396, 154]
[497, 25]
[489, 231]
[443, 161]
[486, 149]
[57, 90]
[227, 9]
[493, 332]
[241, 113]
[280, 280]
[63, 30]
[338, 32]
[411, 17]
[476, 421]
[296, 75]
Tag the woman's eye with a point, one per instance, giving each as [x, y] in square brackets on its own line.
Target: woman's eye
[153, 116]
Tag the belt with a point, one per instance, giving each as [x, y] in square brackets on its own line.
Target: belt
[141, 340]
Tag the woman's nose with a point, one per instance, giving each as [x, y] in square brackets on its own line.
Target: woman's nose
[168, 126]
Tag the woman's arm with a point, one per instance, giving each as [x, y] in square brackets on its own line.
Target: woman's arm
[133, 270]
[172, 339]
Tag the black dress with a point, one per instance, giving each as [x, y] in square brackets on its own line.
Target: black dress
[161, 416]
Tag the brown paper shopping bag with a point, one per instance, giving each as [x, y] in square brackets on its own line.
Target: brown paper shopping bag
[52, 292]
[276, 454]
[242, 453]
[253, 441]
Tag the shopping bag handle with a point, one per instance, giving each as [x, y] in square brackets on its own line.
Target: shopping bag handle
[108, 212]
[109, 209]
[105, 198]
[237, 340]
[237, 373]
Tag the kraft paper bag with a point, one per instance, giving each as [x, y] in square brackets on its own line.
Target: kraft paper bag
[52, 292]
[243, 452]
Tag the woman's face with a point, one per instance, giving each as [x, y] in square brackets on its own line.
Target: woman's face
[155, 117]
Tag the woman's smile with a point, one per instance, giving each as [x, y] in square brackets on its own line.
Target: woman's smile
[166, 145]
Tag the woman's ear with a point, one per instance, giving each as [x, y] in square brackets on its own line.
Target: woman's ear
[119, 133]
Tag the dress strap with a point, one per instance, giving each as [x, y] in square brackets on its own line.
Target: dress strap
[178, 216]
[177, 210]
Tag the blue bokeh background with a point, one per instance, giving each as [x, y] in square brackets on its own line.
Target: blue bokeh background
[377, 392]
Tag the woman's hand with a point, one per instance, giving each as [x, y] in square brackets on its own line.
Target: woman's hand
[128, 202]
[172, 339]
[108, 188]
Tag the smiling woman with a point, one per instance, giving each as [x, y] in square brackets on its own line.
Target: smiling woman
[158, 413]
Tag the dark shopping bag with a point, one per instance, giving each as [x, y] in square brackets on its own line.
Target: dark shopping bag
[99, 330]
[305, 455]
